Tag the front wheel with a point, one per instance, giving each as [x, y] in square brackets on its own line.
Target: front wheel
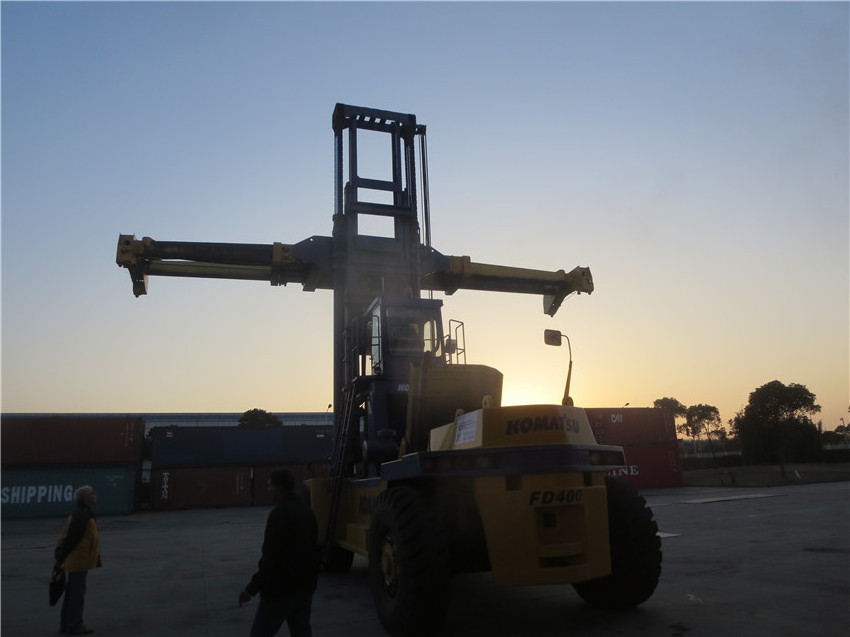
[408, 563]
[635, 551]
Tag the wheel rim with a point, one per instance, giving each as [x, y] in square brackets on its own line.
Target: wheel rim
[389, 565]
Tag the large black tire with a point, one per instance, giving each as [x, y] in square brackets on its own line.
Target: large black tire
[409, 563]
[635, 551]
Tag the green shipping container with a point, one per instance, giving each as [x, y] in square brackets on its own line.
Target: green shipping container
[49, 492]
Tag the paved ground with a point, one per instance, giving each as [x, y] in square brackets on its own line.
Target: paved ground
[746, 562]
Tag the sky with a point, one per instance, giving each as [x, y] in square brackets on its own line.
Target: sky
[693, 155]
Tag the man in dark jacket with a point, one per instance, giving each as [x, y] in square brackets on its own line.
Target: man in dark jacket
[287, 571]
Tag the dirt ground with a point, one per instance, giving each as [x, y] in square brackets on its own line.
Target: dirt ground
[768, 476]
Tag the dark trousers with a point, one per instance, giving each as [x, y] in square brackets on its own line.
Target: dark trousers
[293, 609]
[72, 606]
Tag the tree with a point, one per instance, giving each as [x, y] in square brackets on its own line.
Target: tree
[775, 425]
[672, 404]
[678, 409]
[259, 418]
[703, 419]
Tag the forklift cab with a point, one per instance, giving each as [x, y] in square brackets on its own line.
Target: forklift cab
[403, 330]
[400, 334]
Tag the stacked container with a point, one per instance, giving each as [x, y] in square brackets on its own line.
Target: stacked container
[45, 459]
[648, 438]
[209, 467]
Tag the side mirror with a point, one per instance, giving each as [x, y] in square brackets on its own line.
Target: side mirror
[552, 337]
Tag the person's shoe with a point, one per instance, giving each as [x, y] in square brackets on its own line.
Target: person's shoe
[81, 630]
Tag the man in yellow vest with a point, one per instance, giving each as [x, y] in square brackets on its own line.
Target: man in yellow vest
[78, 552]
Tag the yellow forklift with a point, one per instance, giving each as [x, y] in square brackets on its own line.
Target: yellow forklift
[430, 475]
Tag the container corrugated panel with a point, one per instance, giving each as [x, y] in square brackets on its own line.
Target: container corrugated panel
[308, 444]
[48, 492]
[302, 472]
[185, 447]
[55, 441]
[300, 444]
[215, 446]
[200, 488]
[631, 426]
[652, 466]
[239, 446]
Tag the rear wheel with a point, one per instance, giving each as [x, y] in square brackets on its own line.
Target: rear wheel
[635, 551]
[408, 563]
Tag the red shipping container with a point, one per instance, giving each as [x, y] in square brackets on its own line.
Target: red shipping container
[631, 426]
[651, 466]
[200, 488]
[71, 440]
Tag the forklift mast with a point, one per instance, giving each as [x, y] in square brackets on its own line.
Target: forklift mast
[379, 316]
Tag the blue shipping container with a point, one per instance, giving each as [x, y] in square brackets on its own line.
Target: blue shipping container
[174, 447]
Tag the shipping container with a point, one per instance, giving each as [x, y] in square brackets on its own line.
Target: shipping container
[302, 472]
[47, 492]
[631, 426]
[307, 444]
[240, 446]
[200, 488]
[653, 466]
[69, 441]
